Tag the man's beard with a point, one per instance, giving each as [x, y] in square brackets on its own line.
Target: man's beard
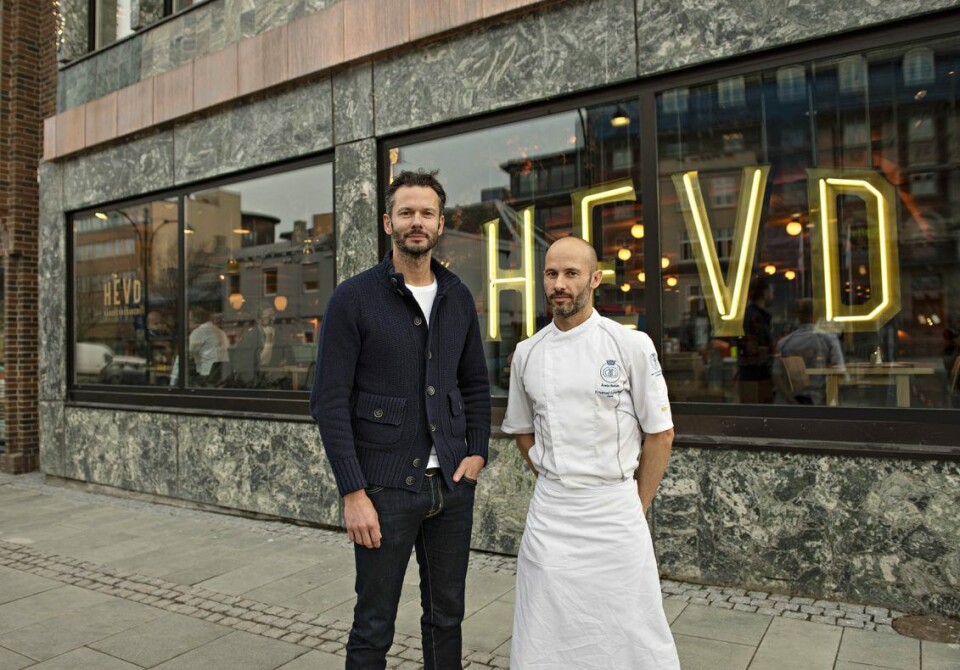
[399, 240]
[569, 309]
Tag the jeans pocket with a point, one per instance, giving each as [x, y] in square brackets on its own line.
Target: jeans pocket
[469, 482]
[374, 489]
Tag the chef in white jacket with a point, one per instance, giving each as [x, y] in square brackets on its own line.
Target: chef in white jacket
[581, 391]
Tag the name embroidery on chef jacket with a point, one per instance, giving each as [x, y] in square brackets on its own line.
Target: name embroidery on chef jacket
[611, 379]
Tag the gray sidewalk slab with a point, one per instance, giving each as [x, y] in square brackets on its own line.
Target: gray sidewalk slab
[102, 582]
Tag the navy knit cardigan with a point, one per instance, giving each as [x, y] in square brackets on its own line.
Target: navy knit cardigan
[386, 383]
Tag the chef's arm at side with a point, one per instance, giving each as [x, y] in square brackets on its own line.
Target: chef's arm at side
[525, 443]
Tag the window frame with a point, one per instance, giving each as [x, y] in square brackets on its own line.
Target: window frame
[863, 431]
[247, 403]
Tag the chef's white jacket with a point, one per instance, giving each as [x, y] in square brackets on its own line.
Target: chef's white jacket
[586, 393]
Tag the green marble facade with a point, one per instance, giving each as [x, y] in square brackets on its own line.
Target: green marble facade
[883, 531]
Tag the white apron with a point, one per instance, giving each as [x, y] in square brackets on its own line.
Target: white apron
[588, 591]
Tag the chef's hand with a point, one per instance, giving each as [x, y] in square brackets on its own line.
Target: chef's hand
[470, 468]
[363, 524]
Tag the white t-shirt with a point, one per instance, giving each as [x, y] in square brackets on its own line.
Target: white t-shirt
[586, 393]
[425, 296]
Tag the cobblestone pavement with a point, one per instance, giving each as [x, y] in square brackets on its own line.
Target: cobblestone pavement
[327, 633]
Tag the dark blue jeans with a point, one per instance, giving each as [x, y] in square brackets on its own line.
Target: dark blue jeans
[437, 522]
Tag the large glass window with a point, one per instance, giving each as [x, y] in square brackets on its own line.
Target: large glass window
[525, 185]
[260, 267]
[817, 260]
[125, 294]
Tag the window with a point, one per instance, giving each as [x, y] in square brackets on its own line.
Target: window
[125, 294]
[512, 182]
[112, 21]
[274, 236]
[792, 83]
[842, 290]
[259, 270]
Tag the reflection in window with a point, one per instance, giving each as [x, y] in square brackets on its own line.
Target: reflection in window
[112, 21]
[545, 171]
[784, 348]
[918, 67]
[260, 269]
[125, 294]
[730, 92]
[792, 83]
[852, 73]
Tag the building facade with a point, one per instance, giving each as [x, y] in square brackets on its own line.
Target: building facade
[773, 189]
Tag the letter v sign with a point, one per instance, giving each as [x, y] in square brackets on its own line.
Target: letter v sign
[726, 298]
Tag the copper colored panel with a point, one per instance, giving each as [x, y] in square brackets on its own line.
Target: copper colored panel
[135, 107]
[215, 78]
[101, 120]
[71, 132]
[315, 42]
[494, 7]
[370, 26]
[50, 138]
[173, 94]
[263, 61]
[430, 17]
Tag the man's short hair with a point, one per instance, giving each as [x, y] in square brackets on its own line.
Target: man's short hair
[418, 178]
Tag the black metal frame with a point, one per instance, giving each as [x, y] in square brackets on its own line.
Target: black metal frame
[914, 433]
[246, 403]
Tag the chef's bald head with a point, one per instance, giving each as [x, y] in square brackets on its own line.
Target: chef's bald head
[575, 247]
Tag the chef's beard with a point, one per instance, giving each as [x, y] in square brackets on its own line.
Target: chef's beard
[574, 306]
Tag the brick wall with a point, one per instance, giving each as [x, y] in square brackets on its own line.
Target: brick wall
[27, 95]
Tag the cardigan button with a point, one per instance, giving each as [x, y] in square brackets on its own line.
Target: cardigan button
[417, 320]
[410, 480]
[431, 390]
[417, 462]
[378, 413]
[433, 428]
[429, 355]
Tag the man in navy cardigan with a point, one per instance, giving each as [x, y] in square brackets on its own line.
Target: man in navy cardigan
[402, 400]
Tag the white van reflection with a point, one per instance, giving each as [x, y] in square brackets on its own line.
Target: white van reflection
[97, 364]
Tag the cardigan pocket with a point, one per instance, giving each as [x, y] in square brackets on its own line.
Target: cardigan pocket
[458, 420]
[380, 417]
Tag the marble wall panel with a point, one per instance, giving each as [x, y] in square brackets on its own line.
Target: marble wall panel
[52, 285]
[295, 123]
[139, 166]
[77, 84]
[675, 34]
[118, 66]
[136, 451]
[75, 15]
[145, 12]
[356, 207]
[503, 496]
[353, 104]
[867, 530]
[272, 13]
[268, 467]
[51, 438]
[569, 47]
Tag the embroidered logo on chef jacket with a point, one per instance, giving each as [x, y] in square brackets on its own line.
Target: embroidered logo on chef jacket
[655, 365]
[611, 378]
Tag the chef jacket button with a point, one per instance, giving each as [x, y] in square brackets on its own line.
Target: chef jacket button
[417, 320]
[431, 390]
[417, 462]
[378, 413]
[410, 480]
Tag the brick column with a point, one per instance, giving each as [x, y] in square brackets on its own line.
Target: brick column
[27, 95]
